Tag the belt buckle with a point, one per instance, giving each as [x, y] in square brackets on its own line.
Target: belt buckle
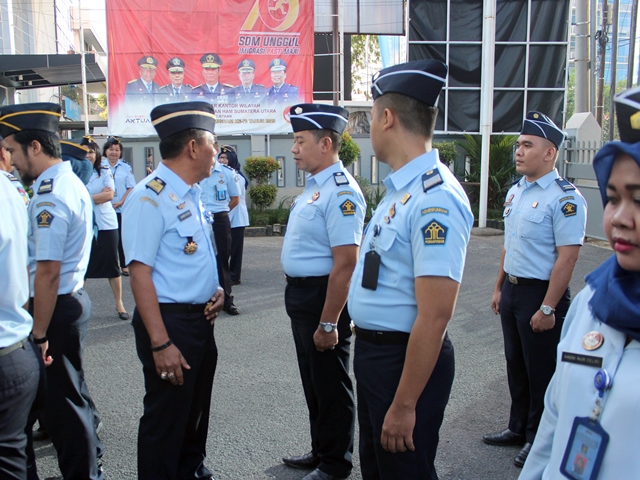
[513, 279]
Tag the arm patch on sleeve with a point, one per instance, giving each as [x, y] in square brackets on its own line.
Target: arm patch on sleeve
[569, 209]
[435, 233]
[44, 219]
[348, 208]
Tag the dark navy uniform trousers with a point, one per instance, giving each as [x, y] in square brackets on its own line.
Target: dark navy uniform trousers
[327, 387]
[222, 239]
[378, 369]
[19, 378]
[531, 357]
[173, 429]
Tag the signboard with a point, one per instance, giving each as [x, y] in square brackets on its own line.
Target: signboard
[251, 59]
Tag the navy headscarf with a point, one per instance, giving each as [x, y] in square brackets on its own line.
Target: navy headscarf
[233, 162]
[616, 298]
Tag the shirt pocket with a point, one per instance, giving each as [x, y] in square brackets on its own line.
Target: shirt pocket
[307, 213]
[389, 263]
[531, 224]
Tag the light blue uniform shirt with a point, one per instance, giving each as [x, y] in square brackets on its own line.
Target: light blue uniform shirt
[105, 214]
[19, 187]
[329, 213]
[537, 219]
[122, 177]
[239, 216]
[161, 215]
[419, 234]
[15, 321]
[218, 189]
[61, 225]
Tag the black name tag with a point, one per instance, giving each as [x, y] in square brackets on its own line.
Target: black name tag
[580, 359]
[371, 270]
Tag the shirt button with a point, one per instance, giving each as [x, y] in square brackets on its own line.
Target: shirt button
[531, 217]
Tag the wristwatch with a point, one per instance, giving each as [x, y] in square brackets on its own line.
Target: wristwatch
[547, 310]
[328, 327]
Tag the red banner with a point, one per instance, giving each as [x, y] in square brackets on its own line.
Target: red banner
[251, 59]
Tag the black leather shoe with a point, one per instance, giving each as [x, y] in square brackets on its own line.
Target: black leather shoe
[308, 461]
[235, 282]
[506, 437]
[231, 309]
[318, 474]
[522, 456]
[40, 434]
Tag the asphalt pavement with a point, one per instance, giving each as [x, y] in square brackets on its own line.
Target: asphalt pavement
[258, 410]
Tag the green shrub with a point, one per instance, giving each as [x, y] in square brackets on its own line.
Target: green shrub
[259, 168]
[447, 151]
[350, 151]
[502, 168]
[263, 195]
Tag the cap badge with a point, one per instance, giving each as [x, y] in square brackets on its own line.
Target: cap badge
[298, 110]
[150, 60]
[635, 121]
[210, 58]
[246, 63]
[535, 115]
[276, 61]
[176, 62]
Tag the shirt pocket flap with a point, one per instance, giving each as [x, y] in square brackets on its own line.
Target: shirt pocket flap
[187, 228]
[535, 217]
[308, 213]
[386, 238]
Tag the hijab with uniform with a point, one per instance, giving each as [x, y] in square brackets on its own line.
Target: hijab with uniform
[616, 298]
[233, 162]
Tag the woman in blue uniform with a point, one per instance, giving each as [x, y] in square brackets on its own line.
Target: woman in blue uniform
[588, 428]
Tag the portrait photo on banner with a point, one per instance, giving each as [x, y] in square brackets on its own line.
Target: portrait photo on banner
[251, 59]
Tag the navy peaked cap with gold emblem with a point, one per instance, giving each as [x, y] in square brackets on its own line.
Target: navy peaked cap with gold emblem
[148, 62]
[316, 116]
[422, 80]
[29, 116]
[628, 114]
[210, 60]
[227, 149]
[277, 64]
[246, 65]
[73, 150]
[172, 118]
[539, 125]
[175, 65]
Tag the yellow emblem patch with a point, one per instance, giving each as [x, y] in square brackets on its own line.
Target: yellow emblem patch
[348, 208]
[435, 233]
[569, 209]
[44, 219]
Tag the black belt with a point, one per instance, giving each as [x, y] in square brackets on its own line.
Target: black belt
[382, 338]
[7, 350]
[527, 282]
[307, 281]
[221, 214]
[182, 307]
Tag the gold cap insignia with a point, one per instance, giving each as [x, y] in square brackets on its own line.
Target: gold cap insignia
[635, 121]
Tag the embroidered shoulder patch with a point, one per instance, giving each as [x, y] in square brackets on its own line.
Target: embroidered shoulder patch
[565, 185]
[151, 201]
[435, 233]
[46, 186]
[44, 219]
[157, 185]
[444, 211]
[564, 199]
[569, 209]
[431, 179]
[340, 178]
[348, 208]
[46, 204]
[345, 192]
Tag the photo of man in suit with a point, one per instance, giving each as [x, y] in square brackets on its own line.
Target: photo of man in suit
[177, 91]
[281, 92]
[212, 90]
[140, 93]
[247, 91]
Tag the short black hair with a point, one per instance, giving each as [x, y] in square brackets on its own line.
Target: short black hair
[49, 142]
[415, 116]
[172, 146]
[112, 141]
[336, 138]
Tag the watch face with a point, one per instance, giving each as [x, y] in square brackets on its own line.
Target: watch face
[547, 310]
[328, 328]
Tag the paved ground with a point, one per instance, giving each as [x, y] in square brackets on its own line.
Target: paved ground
[258, 408]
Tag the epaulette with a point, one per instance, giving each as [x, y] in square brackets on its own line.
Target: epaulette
[157, 185]
[565, 185]
[431, 179]
[227, 85]
[133, 81]
[340, 178]
[228, 167]
[46, 186]
[10, 176]
[198, 86]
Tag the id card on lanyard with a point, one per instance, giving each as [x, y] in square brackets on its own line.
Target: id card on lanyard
[588, 440]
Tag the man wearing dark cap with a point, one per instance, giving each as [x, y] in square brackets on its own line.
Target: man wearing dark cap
[168, 243]
[544, 220]
[77, 156]
[280, 92]
[247, 91]
[212, 90]
[177, 91]
[6, 169]
[318, 255]
[140, 93]
[61, 217]
[405, 285]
